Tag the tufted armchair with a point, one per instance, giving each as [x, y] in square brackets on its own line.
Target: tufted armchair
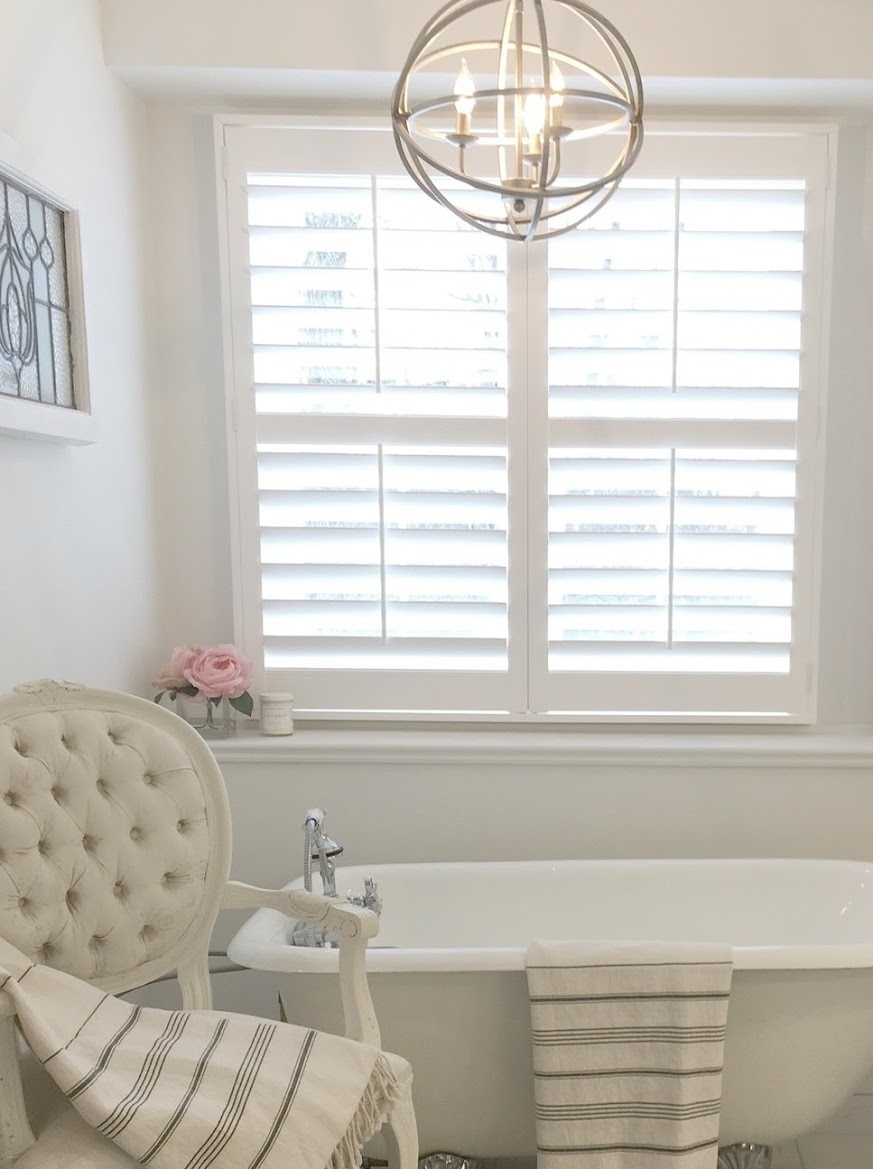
[115, 845]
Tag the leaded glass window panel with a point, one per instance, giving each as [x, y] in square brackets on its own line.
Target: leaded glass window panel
[36, 358]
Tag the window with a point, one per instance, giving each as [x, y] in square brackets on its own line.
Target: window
[43, 390]
[575, 479]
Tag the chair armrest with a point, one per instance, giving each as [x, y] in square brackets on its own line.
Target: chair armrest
[333, 913]
[352, 923]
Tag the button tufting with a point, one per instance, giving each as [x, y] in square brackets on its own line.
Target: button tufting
[182, 826]
[23, 903]
[9, 799]
[135, 834]
[149, 778]
[58, 793]
[88, 843]
[118, 889]
[42, 847]
[21, 750]
[102, 786]
[70, 896]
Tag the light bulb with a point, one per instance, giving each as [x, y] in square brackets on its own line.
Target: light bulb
[556, 85]
[465, 91]
[534, 118]
[556, 96]
[534, 113]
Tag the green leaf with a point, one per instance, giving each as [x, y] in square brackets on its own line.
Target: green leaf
[189, 690]
[160, 694]
[244, 704]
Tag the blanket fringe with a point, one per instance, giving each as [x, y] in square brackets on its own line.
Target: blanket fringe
[381, 1092]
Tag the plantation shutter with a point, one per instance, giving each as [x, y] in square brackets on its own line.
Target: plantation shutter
[675, 579]
[575, 479]
[379, 426]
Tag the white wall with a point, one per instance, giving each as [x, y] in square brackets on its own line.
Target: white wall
[77, 523]
[682, 38]
[193, 563]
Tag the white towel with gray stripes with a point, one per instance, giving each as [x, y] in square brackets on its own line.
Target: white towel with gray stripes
[628, 1044]
[198, 1089]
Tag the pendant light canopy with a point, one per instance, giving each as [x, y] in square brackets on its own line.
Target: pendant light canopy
[526, 132]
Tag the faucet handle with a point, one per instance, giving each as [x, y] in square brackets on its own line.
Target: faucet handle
[370, 898]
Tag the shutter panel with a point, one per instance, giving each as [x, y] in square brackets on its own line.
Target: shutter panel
[377, 555]
[681, 304]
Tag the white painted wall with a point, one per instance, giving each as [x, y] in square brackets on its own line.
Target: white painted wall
[682, 38]
[76, 523]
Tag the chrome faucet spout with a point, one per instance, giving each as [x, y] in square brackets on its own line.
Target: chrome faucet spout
[318, 846]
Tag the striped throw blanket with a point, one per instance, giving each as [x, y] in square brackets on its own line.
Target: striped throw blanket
[200, 1089]
[628, 1045]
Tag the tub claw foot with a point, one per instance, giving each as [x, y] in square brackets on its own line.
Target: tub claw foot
[745, 1157]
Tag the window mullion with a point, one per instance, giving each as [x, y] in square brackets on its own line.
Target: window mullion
[536, 418]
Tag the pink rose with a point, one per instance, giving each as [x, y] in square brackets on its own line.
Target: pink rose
[172, 675]
[218, 671]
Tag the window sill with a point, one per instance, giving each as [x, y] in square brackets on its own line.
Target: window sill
[793, 748]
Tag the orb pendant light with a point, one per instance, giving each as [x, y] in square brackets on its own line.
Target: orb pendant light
[526, 132]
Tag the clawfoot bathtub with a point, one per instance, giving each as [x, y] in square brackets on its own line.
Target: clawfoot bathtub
[447, 977]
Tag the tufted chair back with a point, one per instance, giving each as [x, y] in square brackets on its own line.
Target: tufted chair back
[114, 835]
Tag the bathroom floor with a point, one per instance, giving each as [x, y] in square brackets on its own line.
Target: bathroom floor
[843, 1142]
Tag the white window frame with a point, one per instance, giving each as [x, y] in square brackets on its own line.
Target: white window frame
[246, 142]
[22, 418]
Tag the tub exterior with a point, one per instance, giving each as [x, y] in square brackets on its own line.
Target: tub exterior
[800, 1020]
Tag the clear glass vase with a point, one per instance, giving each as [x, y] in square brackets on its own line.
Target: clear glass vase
[214, 719]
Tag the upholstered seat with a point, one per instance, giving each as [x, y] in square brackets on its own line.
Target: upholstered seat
[114, 856]
[69, 1143]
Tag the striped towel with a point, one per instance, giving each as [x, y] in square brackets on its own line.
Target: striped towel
[193, 1089]
[628, 1044]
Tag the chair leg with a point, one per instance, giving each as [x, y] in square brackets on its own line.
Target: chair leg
[401, 1134]
[15, 1132]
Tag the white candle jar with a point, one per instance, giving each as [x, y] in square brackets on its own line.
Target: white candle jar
[277, 714]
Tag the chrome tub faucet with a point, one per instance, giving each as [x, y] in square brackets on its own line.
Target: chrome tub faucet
[318, 846]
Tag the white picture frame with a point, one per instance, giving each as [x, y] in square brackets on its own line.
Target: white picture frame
[26, 418]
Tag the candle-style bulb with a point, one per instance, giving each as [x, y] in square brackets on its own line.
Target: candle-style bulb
[465, 90]
[534, 115]
[556, 86]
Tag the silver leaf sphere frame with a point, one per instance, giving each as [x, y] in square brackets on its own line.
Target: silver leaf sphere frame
[603, 100]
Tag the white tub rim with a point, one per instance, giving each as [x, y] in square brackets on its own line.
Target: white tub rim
[261, 942]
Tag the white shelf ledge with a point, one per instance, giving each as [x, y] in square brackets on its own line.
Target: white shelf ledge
[511, 748]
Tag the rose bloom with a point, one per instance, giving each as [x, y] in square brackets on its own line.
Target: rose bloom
[220, 671]
[172, 675]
